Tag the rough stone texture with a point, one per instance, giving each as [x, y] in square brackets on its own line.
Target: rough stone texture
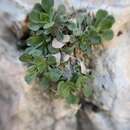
[40, 112]
[10, 78]
[112, 82]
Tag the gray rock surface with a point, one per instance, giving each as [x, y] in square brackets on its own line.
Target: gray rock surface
[10, 78]
[112, 81]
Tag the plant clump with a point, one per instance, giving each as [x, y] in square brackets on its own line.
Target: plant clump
[59, 47]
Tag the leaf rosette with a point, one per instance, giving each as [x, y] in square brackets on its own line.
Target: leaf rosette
[59, 46]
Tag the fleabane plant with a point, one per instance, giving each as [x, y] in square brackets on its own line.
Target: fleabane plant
[59, 46]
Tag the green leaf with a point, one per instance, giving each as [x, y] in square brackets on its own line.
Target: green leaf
[40, 63]
[36, 52]
[60, 15]
[80, 19]
[54, 74]
[49, 25]
[100, 15]
[88, 50]
[38, 17]
[61, 10]
[68, 50]
[34, 27]
[34, 16]
[38, 7]
[63, 89]
[44, 17]
[26, 58]
[77, 32]
[31, 74]
[29, 78]
[51, 60]
[45, 83]
[88, 20]
[71, 26]
[52, 50]
[106, 23]
[47, 5]
[95, 39]
[72, 99]
[86, 47]
[81, 81]
[34, 40]
[87, 91]
[59, 35]
[108, 35]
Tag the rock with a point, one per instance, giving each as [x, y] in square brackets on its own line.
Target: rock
[11, 81]
[43, 113]
[17, 9]
[112, 83]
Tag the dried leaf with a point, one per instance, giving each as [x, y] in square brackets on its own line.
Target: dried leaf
[58, 57]
[83, 67]
[66, 38]
[65, 57]
[57, 44]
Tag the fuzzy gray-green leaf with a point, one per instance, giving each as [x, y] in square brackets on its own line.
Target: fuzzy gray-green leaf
[26, 58]
[34, 40]
[47, 5]
[108, 35]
